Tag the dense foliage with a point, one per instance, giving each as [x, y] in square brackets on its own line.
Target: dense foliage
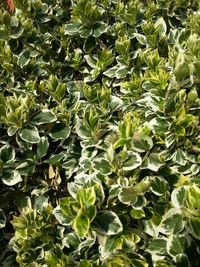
[100, 134]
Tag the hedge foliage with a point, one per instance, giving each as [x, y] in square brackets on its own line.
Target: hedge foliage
[100, 134]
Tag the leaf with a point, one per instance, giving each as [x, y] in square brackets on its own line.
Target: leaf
[99, 28]
[176, 245]
[132, 162]
[26, 168]
[81, 225]
[178, 197]
[44, 116]
[24, 58]
[169, 140]
[172, 222]
[82, 131]
[7, 153]
[160, 23]
[55, 159]
[60, 131]
[4, 34]
[70, 164]
[2, 219]
[141, 143]
[153, 163]
[73, 101]
[137, 214]
[72, 28]
[42, 146]
[141, 38]
[159, 125]
[194, 227]
[158, 246]
[182, 260]
[121, 72]
[143, 185]
[69, 206]
[86, 197]
[159, 186]
[11, 131]
[102, 165]
[11, 178]
[107, 223]
[111, 72]
[84, 32]
[180, 157]
[91, 61]
[61, 217]
[30, 134]
[128, 195]
[120, 142]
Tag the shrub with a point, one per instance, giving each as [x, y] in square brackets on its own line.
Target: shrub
[100, 135]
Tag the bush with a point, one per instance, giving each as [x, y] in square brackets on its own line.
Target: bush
[100, 135]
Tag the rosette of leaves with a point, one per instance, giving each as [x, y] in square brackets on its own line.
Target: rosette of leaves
[86, 19]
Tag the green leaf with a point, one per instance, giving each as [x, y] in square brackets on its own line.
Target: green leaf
[91, 61]
[11, 131]
[159, 125]
[181, 70]
[180, 157]
[141, 38]
[137, 214]
[158, 246]
[182, 260]
[84, 32]
[70, 164]
[121, 72]
[102, 165]
[55, 159]
[26, 168]
[193, 196]
[194, 227]
[11, 178]
[169, 140]
[2, 219]
[111, 72]
[143, 185]
[61, 217]
[160, 23]
[42, 146]
[120, 142]
[81, 225]
[82, 131]
[86, 197]
[30, 134]
[99, 28]
[176, 245]
[172, 222]
[72, 28]
[132, 162]
[4, 34]
[7, 153]
[153, 162]
[141, 143]
[69, 206]
[178, 197]
[107, 223]
[159, 186]
[24, 58]
[44, 116]
[60, 131]
[73, 102]
[128, 195]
